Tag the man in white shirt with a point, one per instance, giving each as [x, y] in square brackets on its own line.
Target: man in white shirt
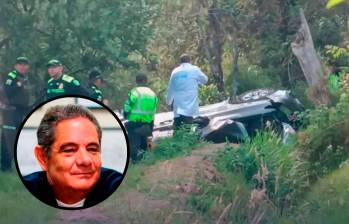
[183, 90]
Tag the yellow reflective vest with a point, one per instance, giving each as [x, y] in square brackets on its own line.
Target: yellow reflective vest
[141, 105]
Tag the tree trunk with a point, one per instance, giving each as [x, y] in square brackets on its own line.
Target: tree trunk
[303, 49]
[235, 72]
[286, 29]
[216, 43]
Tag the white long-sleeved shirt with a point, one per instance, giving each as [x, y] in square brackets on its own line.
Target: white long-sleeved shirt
[183, 89]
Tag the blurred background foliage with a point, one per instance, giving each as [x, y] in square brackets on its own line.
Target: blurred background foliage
[243, 44]
[240, 45]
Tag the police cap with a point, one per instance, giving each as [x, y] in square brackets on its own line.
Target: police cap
[54, 62]
[22, 60]
[95, 74]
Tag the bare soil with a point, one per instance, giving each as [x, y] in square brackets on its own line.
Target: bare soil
[163, 201]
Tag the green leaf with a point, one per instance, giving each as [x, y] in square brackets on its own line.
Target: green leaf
[333, 3]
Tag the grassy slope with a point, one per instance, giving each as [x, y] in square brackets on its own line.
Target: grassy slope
[328, 200]
[17, 205]
[149, 194]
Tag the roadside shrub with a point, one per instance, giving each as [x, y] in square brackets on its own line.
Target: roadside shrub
[210, 94]
[252, 77]
[265, 162]
[324, 141]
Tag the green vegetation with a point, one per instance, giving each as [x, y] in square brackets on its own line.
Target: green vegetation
[245, 39]
[333, 3]
[302, 182]
[210, 94]
[264, 162]
[180, 144]
[324, 142]
[214, 197]
[18, 205]
[328, 200]
[259, 181]
[252, 76]
[134, 179]
[241, 45]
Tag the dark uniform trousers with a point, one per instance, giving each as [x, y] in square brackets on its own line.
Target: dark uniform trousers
[138, 133]
[16, 94]
[12, 119]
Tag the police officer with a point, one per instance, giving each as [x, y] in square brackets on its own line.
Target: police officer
[16, 106]
[95, 83]
[139, 109]
[61, 84]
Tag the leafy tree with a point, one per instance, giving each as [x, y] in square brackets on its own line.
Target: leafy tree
[109, 34]
[227, 38]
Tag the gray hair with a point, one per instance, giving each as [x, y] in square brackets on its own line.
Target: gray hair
[54, 115]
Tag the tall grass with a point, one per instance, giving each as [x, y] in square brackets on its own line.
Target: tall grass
[302, 182]
[230, 192]
[180, 144]
[328, 200]
[263, 155]
[257, 185]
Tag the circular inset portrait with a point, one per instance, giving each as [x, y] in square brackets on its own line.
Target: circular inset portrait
[71, 152]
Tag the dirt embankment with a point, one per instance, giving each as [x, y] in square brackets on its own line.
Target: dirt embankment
[164, 198]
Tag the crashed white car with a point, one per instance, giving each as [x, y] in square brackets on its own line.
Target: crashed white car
[253, 111]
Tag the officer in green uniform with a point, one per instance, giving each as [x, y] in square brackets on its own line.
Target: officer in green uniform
[61, 84]
[139, 109]
[16, 99]
[95, 83]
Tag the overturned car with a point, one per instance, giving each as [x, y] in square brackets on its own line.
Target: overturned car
[253, 111]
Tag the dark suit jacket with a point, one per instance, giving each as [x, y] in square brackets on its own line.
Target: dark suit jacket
[38, 185]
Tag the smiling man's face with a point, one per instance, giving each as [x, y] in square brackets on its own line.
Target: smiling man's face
[74, 162]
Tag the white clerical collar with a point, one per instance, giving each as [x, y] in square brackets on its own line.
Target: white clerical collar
[75, 205]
